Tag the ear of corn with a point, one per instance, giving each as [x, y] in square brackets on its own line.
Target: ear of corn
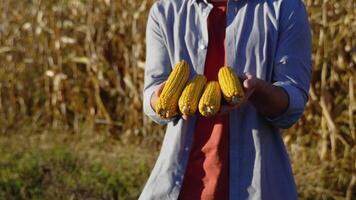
[230, 85]
[167, 103]
[209, 103]
[188, 102]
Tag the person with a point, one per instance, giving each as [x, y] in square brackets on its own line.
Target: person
[239, 153]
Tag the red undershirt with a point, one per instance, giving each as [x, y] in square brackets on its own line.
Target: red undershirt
[207, 173]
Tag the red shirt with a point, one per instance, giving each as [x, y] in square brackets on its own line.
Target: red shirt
[207, 173]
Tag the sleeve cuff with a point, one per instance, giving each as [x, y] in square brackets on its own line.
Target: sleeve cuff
[294, 111]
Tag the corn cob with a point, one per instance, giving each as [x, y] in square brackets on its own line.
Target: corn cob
[230, 85]
[209, 103]
[188, 101]
[167, 102]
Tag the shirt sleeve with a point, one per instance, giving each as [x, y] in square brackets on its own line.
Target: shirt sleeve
[292, 66]
[157, 67]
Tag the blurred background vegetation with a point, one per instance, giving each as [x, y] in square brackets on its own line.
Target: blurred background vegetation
[71, 121]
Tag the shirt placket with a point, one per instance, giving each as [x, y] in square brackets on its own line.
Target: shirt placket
[233, 7]
[204, 11]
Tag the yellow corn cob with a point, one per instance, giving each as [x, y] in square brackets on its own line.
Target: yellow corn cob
[188, 101]
[209, 103]
[167, 102]
[230, 85]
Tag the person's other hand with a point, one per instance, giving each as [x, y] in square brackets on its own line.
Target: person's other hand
[249, 84]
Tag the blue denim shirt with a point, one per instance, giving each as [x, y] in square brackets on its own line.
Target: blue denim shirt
[270, 39]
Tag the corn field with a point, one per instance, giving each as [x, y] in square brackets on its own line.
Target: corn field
[65, 63]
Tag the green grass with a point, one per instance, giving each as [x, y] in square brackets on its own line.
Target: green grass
[38, 163]
[57, 165]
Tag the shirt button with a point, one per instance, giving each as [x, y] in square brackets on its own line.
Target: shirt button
[186, 149]
[202, 46]
[177, 183]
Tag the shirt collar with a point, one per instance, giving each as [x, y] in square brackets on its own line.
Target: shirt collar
[205, 1]
[193, 1]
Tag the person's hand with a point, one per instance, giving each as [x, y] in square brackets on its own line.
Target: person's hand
[249, 83]
[155, 95]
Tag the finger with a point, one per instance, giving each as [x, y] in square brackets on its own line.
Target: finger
[185, 117]
[159, 89]
[153, 100]
[157, 92]
[245, 76]
[248, 75]
[248, 83]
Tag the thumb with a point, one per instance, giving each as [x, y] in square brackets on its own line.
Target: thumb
[249, 81]
[247, 75]
[248, 84]
[158, 91]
